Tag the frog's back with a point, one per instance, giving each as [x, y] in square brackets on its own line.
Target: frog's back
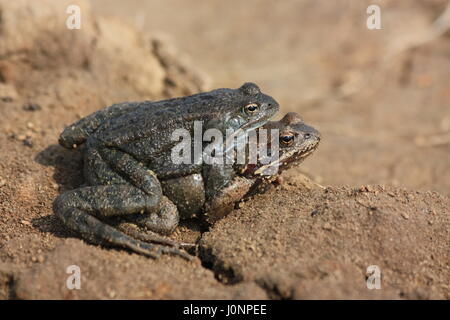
[122, 115]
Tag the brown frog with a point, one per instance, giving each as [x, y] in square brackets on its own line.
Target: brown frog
[295, 140]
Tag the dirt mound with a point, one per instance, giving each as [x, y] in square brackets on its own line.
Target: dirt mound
[306, 242]
[85, 66]
[316, 244]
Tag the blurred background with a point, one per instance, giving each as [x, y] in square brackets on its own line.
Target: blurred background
[381, 98]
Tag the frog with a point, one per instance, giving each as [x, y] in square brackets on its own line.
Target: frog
[127, 151]
[296, 141]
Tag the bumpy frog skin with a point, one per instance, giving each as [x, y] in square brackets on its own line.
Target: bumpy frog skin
[127, 153]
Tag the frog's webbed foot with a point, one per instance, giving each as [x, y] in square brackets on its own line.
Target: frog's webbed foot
[147, 236]
[83, 210]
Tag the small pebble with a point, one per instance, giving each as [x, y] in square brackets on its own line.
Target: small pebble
[32, 107]
[7, 99]
[25, 222]
[28, 143]
[327, 226]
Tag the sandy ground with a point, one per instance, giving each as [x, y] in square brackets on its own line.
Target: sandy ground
[383, 107]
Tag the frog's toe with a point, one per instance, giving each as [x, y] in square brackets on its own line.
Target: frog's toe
[147, 236]
[144, 249]
[152, 239]
[176, 252]
[155, 250]
[187, 245]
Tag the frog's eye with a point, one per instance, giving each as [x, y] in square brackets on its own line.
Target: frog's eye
[251, 108]
[287, 139]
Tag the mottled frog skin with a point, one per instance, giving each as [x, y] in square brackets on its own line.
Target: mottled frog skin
[127, 152]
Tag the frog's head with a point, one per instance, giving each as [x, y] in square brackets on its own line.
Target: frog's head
[296, 141]
[244, 109]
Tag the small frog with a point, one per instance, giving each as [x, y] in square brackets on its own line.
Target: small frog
[296, 141]
[128, 151]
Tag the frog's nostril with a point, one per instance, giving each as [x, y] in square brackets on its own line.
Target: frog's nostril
[307, 135]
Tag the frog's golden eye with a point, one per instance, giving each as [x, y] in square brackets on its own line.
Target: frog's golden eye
[251, 108]
[287, 139]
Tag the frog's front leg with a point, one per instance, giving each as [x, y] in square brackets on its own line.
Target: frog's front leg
[217, 177]
[83, 210]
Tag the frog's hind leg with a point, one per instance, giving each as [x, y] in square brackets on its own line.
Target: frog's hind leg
[133, 171]
[83, 209]
[97, 172]
[148, 236]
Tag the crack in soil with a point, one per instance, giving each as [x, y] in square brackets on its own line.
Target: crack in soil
[7, 287]
[223, 273]
[229, 276]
